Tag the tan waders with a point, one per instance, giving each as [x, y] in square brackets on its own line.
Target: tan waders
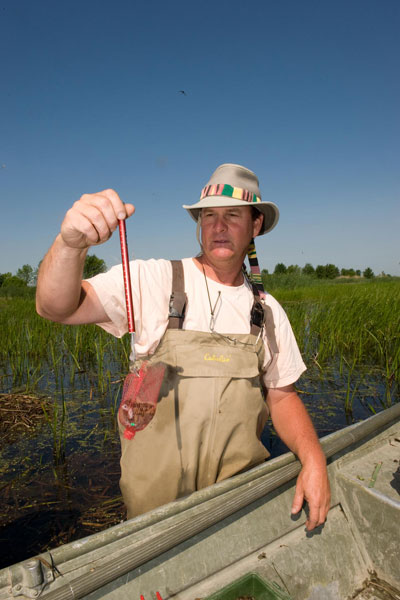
[209, 417]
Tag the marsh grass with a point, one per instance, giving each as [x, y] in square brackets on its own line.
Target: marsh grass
[355, 328]
[35, 353]
[349, 331]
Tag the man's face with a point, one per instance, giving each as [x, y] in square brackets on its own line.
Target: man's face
[227, 231]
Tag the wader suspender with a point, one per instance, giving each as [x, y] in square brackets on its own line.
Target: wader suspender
[261, 314]
[178, 299]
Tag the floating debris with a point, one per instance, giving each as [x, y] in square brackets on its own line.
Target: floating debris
[375, 474]
[20, 414]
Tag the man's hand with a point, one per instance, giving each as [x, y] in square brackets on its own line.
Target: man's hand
[313, 486]
[293, 425]
[60, 294]
[93, 219]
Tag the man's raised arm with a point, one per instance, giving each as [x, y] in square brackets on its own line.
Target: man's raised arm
[61, 295]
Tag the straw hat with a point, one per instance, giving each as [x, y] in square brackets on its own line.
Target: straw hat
[234, 185]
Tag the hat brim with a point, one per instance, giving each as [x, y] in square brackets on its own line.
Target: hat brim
[268, 209]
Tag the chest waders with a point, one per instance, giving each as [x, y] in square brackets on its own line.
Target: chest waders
[210, 412]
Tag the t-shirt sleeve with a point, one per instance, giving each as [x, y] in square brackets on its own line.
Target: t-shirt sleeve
[151, 288]
[109, 288]
[283, 362]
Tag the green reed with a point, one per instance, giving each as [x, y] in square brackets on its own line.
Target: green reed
[351, 327]
[32, 348]
[354, 325]
[56, 417]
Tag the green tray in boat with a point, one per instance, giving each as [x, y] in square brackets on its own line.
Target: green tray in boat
[251, 586]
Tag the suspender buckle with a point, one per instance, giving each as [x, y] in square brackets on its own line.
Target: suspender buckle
[177, 303]
[257, 315]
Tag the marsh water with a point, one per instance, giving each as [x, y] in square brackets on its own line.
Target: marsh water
[60, 485]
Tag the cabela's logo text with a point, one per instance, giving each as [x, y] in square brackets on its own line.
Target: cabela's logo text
[217, 357]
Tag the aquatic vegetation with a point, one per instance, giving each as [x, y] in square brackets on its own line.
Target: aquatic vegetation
[353, 329]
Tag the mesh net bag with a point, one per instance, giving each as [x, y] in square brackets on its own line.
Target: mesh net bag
[139, 398]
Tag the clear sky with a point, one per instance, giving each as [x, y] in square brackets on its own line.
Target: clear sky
[303, 92]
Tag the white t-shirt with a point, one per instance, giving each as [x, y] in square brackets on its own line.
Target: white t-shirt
[151, 289]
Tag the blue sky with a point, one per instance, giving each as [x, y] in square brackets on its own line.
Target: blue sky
[305, 93]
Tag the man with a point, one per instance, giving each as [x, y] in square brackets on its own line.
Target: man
[231, 347]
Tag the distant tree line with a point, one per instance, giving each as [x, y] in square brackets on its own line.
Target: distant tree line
[328, 271]
[26, 276]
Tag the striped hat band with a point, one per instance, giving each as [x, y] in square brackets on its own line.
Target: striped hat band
[224, 189]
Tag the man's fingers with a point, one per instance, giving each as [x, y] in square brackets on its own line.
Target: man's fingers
[317, 514]
[121, 210]
[313, 518]
[130, 209]
[107, 206]
[297, 500]
[98, 220]
[79, 231]
[317, 507]
[93, 218]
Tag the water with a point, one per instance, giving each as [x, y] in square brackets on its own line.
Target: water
[59, 482]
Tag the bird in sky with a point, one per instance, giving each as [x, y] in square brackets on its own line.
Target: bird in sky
[183, 92]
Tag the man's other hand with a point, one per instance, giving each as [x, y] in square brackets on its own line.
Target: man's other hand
[313, 486]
